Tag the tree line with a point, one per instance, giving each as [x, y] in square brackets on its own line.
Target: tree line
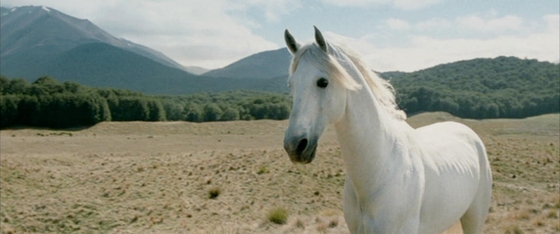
[504, 87]
[49, 103]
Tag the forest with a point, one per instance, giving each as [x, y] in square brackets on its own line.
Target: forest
[49, 103]
[504, 87]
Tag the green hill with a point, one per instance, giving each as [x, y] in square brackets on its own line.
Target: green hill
[506, 87]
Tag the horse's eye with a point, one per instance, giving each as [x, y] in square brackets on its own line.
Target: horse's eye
[322, 82]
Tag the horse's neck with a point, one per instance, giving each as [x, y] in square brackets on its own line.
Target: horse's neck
[370, 141]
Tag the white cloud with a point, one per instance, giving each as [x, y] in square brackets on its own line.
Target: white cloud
[400, 4]
[397, 24]
[552, 22]
[272, 9]
[462, 25]
[425, 51]
[433, 24]
[477, 23]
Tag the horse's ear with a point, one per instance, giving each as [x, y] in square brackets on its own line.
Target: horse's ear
[320, 40]
[293, 46]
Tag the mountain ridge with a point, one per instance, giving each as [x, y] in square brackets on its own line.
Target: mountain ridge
[262, 65]
[48, 31]
[41, 41]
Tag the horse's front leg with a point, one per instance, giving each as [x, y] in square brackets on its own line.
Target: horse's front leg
[392, 210]
[384, 219]
[351, 207]
[396, 222]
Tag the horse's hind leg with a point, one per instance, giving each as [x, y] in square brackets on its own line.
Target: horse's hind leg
[474, 219]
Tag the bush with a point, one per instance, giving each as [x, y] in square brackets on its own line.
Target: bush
[214, 192]
[278, 216]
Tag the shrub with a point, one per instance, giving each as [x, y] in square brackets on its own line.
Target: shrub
[262, 170]
[214, 192]
[278, 216]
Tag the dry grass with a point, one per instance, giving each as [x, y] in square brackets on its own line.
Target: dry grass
[158, 178]
[278, 215]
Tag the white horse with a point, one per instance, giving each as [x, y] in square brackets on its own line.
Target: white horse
[398, 179]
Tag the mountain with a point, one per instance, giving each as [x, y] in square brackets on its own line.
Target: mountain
[93, 64]
[40, 41]
[31, 34]
[263, 65]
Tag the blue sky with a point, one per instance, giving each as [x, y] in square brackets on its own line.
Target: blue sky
[404, 35]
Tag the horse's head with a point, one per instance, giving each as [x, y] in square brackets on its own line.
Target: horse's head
[319, 85]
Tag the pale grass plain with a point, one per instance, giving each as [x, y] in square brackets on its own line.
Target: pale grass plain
[139, 177]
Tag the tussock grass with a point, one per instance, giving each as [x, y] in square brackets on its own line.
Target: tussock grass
[514, 230]
[552, 214]
[278, 215]
[262, 170]
[214, 192]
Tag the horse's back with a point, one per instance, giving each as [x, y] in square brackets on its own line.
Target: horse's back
[452, 142]
[442, 130]
[455, 167]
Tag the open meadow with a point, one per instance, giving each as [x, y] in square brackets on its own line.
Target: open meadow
[234, 177]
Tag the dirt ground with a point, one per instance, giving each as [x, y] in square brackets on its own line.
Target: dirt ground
[139, 177]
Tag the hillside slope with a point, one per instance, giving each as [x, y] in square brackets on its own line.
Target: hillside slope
[263, 65]
[482, 88]
[31, 34]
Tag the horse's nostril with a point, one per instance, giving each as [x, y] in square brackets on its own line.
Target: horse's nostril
[302, 144]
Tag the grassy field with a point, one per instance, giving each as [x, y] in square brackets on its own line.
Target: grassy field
[234, 177]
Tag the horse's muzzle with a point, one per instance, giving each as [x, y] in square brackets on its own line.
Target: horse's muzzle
[300, 149]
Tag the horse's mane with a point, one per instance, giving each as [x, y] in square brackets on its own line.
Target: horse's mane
[381, 88]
